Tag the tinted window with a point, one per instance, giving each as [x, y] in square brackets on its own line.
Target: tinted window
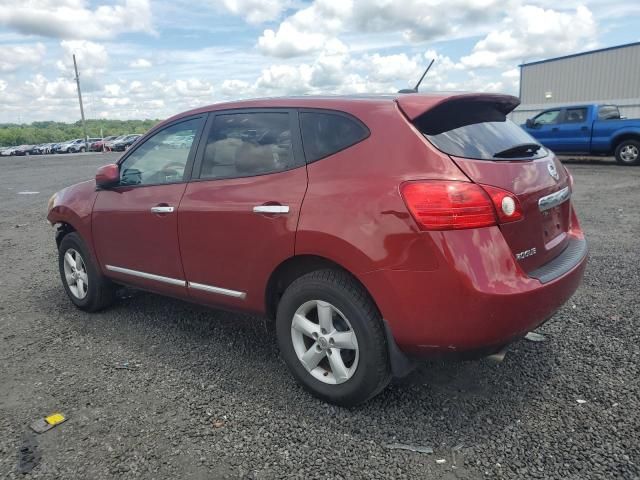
[575, 115]
[546, 118]
[477, 130]
[160, 159]
[608, 112]
[324, 134]
[246, 144]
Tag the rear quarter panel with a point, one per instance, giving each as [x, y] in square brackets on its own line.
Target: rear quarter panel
[606, 133]
[353, 213]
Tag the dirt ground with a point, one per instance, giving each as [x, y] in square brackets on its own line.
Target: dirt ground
[158, 388]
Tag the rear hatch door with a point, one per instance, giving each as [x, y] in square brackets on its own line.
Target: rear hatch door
[491, 150]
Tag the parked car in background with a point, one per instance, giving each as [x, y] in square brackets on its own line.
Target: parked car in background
[65, 147]
[82, 146]
[7, 151]
[98, 145]
[24, 150]
[588, 130]
[43, 149]
[373, 230]
[109, 143]
[125, 142]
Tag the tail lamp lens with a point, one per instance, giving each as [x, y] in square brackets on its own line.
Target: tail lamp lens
[448, 205]
[453, 205]
[506, 203]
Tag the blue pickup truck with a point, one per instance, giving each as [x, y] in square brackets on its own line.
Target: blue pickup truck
[588, 130]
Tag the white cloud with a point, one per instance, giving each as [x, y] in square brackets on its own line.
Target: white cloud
[13, 57]
[256, 11]
[290, 42]
[88, 54]
[40, 88]
[391, 68]
[533, 32]
[310, 28]
[325, 46]
[140, 63]
[92, 59]
[75, 18]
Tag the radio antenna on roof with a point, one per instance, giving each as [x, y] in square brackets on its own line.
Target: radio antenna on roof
[415, 89]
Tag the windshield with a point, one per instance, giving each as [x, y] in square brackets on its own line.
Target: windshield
[477, 130]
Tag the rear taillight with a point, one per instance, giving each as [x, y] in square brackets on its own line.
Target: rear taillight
[506, 204]
[448, 205]
[453, 205]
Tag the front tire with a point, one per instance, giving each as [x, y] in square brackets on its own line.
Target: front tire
[86, 287]
[331, 337]
[628, 152]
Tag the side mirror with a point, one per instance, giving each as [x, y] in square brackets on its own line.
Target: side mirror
[108, 176]
[530, 123]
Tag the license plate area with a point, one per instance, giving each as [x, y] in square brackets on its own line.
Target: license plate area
[553, 226]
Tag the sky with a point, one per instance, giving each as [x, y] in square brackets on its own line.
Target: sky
[154, 58]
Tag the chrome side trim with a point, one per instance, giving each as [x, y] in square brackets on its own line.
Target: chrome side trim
[148, 276]
[555, 199]
[218, 290]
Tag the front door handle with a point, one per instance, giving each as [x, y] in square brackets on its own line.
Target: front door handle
[271, 209]
[555, 129]
[162, 209]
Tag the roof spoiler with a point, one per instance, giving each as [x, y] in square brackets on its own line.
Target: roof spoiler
[415, 105]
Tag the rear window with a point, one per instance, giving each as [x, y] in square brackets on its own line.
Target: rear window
[325, 133]
[477, 130]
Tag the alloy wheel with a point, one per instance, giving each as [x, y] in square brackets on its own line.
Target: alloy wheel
[75, 273]
[629, 153]
[325, 342]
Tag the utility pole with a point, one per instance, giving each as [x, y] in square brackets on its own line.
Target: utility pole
[84, 126]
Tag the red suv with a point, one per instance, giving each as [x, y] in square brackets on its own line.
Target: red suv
[374, 230]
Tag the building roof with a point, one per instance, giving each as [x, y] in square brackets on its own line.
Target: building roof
[616, 47]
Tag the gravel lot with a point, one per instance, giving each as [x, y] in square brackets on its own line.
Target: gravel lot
[205, 394]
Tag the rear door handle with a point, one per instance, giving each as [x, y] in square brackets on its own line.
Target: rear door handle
[555, 129]
[162, 209]
[271, 209]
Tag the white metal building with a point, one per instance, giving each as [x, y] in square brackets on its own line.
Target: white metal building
[609, 75]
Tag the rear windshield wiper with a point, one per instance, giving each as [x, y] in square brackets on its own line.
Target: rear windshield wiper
[522, 150]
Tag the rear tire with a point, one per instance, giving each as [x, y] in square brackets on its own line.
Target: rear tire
[628, 152]
[82, 150]
[86, 287]
[327, 320]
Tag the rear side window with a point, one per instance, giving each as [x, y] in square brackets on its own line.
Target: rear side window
[576, 115]
[248, 144]
[608, 112]
[477, 130]
[325, 133]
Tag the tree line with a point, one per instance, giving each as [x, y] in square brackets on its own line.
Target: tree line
[49, 132]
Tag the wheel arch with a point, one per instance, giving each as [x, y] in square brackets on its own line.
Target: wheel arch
[62, 230]
[618, 139]
[291, 269]
[294, 267]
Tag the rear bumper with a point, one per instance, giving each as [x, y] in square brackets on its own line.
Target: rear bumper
[478, 299]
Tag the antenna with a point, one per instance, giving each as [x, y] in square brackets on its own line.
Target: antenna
[415, 89]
